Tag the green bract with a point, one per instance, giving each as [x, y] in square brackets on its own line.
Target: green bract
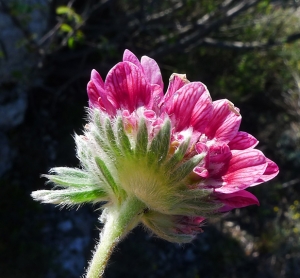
[119, 164]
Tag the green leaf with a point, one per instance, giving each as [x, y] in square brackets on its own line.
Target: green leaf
[71, 43]
[64, 10]
[66, 28]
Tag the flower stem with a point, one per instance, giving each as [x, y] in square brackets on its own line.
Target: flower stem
[119, 221]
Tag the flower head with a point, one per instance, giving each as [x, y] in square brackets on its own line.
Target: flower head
[180, 154]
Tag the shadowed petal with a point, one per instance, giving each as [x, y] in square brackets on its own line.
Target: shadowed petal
[225, 121]
[219, 157]
[271, 172]
[234, 200]
[127, 88]
[244, 170]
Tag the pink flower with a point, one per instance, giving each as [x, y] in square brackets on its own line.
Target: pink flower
[133, 89]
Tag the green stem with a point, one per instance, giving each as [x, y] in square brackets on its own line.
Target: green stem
[119, 221]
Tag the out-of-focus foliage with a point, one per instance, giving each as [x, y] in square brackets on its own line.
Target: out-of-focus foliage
[246, 51]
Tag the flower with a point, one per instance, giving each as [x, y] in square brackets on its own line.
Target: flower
[181, 155]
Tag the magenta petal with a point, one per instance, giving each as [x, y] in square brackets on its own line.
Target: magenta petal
[245, 169]
[190, 106]
[201, 171]
[238, 199]
[157, 97]
[271, 172]
[242, 141]
[176, 82]
[128, 56]
[96, 78]
[219, 157]
[96, 93]
[152, 71]
[127, 88]
[93, 94]
[95, 88]
[225, 121]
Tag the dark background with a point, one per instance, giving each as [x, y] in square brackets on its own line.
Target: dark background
[246, 51]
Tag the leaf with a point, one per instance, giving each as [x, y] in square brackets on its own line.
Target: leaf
[64, 10]
[66, 28]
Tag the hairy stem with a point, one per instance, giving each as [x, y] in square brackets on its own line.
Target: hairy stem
[119, 221]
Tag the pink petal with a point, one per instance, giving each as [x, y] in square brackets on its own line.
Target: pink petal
[245, 169]
[152, 71]
[95, 88]
[127, 88]
[190, 106]
[242, 141]
[225, 121]
[96, 93]
[201, 171]
[130, 57]
[219, 157]
[271, 172]
[238, 199]
[176, 82]
[157, 97]
[93, 94]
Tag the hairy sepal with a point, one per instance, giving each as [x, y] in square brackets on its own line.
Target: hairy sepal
[164, 226]
[70, 196]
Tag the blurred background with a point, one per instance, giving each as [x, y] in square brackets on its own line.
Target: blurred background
[245, 50]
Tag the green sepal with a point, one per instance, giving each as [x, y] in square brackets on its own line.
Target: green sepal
[82, 150]
[141, 139]
[69, 177]
[102, 143]
[184, 169]
[160, 144]
[67, 171]
[71, 196]
[177, 156]
[194, 202]
[164, 226]
[111, 138]
[106, 174]
[123, 138]
[97, 120]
